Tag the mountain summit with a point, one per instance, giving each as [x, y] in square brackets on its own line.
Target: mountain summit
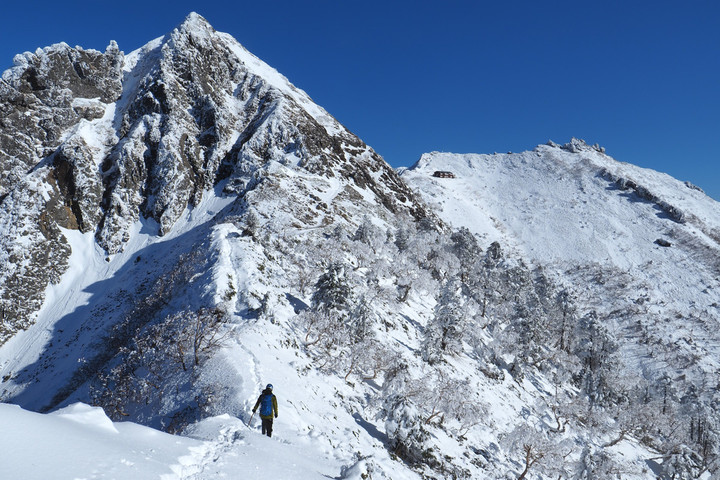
[96, 141]
[181, 226]
[636, 244]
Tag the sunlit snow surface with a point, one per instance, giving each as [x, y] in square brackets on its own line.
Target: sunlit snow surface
[561, 208]
[311, 434]
[80, 442]
[558, 206]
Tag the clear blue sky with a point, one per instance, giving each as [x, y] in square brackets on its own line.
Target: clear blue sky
[641, 78]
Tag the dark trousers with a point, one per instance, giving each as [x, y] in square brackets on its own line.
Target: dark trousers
[267, 426]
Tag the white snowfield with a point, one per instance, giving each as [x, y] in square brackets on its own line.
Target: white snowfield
[80, 442]
[573, 208]
[557, 206]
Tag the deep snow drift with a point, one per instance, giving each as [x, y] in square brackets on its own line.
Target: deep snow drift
[80, 442]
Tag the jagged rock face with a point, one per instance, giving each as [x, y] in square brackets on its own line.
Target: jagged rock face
[108, 139]
[45, 94]
[46, 179]
[202, 115]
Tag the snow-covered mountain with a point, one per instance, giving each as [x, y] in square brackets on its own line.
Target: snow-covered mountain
[110, 138]
[181, 226]
[629, 239]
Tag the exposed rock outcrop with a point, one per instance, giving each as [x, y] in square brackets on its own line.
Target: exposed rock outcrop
[95, 141]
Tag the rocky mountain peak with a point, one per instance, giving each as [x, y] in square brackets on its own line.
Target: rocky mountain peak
[97, 141]
[196, 23]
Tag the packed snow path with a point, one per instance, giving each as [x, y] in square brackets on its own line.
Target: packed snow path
[232, 449]
[81, 442]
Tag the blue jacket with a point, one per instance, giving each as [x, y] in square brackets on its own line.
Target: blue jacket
[274, 410]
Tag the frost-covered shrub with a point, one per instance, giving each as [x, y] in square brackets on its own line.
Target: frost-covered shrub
[406, 433]
[596, 464]
[160, 359]
[683, 464]
[532, 450]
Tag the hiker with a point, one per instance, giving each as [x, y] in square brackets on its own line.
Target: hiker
[268, 405]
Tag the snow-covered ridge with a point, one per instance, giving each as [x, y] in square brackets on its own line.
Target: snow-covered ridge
[280, 82]
[592, 184]
[561, 318]
[573, 209]
[583, 208]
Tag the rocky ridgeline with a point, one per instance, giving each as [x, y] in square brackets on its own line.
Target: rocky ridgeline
[42, 98]
[94, 141]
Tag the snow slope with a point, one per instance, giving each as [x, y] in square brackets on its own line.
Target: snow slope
[561, 208]
[79, 442]
[555, 193]
[596, 224]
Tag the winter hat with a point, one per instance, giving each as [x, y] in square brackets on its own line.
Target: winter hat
[269, 386]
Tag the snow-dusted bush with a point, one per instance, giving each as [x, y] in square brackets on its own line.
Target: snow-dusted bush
[406, 432]
[534, 450]
[162, 358]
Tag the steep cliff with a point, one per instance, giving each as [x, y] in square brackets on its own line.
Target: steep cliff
[96, 141]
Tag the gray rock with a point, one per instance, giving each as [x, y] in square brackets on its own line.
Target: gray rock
[188, 115]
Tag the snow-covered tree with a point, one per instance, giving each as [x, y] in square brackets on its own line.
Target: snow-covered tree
[596, 350]
[402, 238]
[466, 248]
[370, 234]
[333, 291]
[406, 432]
[444, 332]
